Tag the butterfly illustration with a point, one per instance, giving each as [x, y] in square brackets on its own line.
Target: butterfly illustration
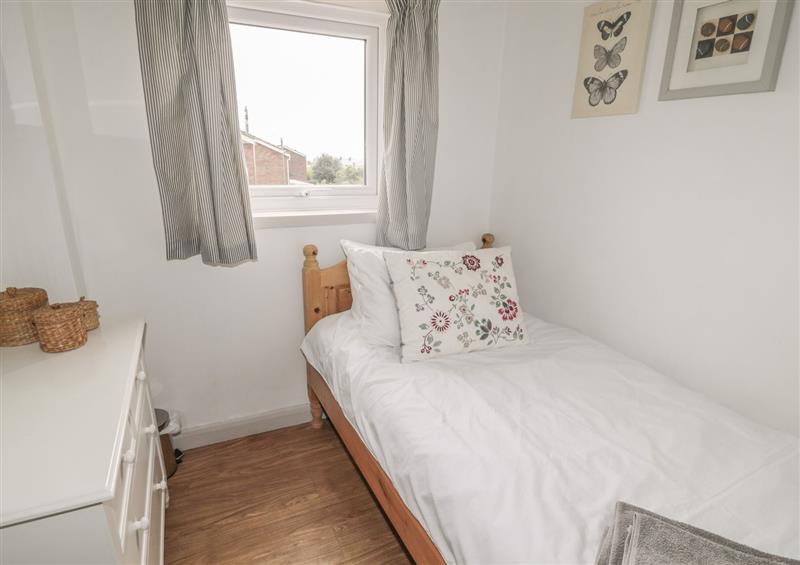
[605, 90]
[612, 57]
[607, 29]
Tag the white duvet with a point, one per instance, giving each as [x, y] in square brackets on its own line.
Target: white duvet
[518, 455]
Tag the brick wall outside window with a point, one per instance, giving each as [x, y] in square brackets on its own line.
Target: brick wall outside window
[264, 164]
[298, 167]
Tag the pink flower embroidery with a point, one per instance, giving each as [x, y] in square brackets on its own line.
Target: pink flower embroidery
[509, 310]
[471, 262]
[440, 321]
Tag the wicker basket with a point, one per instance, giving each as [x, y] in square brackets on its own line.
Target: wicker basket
[60, 327]
[16, 314]
[88, 308]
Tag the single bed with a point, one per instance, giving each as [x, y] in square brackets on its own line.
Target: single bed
[518, 455]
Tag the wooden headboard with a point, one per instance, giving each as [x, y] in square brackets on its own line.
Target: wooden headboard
[327, 291]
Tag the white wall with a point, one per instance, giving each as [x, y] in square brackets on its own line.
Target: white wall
[33, 246]
[671, 234]
[222, 343]
[470, 51]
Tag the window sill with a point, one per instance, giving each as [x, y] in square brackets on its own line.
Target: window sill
[300, 218]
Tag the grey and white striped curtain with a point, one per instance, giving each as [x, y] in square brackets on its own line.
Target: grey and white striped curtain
[190, 98]
[411, 123]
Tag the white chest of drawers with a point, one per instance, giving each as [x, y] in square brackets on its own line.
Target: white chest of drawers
[81, 471]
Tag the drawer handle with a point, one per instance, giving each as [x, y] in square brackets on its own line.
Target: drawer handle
[141, 376]
[143, 524]
[160, 486]
[130, 455]
[150, 430]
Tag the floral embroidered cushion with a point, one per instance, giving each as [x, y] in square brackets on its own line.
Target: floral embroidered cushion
[455, 301]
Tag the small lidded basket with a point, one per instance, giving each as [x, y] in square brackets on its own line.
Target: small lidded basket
[88, 308]
[60, 327]
[17, 306]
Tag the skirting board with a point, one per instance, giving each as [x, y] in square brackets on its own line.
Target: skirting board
[206, 434]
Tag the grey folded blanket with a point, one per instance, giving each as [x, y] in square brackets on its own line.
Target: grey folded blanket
[640, 537]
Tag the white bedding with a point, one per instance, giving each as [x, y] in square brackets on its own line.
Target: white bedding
[518, 455]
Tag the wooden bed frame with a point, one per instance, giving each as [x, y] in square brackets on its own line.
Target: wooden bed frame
[325, 292]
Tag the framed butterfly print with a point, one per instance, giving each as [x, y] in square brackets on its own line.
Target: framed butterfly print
[724, 47]
[611, 57]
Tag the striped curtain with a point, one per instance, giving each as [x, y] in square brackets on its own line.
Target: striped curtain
[190, 98]
[411, 123]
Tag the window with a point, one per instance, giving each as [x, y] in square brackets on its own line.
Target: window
[308, 94]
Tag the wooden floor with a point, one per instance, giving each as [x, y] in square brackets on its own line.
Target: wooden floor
[288, 496]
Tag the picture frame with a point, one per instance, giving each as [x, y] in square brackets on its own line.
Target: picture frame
[613, 50]
[719, 48]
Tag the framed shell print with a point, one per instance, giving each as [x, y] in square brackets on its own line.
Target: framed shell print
[611, 57]
[724, 47]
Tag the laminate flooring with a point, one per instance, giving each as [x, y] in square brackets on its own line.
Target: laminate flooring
[287, 496]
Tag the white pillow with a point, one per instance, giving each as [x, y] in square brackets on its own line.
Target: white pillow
[451, 302]
[373, 301]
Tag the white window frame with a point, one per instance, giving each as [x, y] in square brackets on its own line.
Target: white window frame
[356, 202]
